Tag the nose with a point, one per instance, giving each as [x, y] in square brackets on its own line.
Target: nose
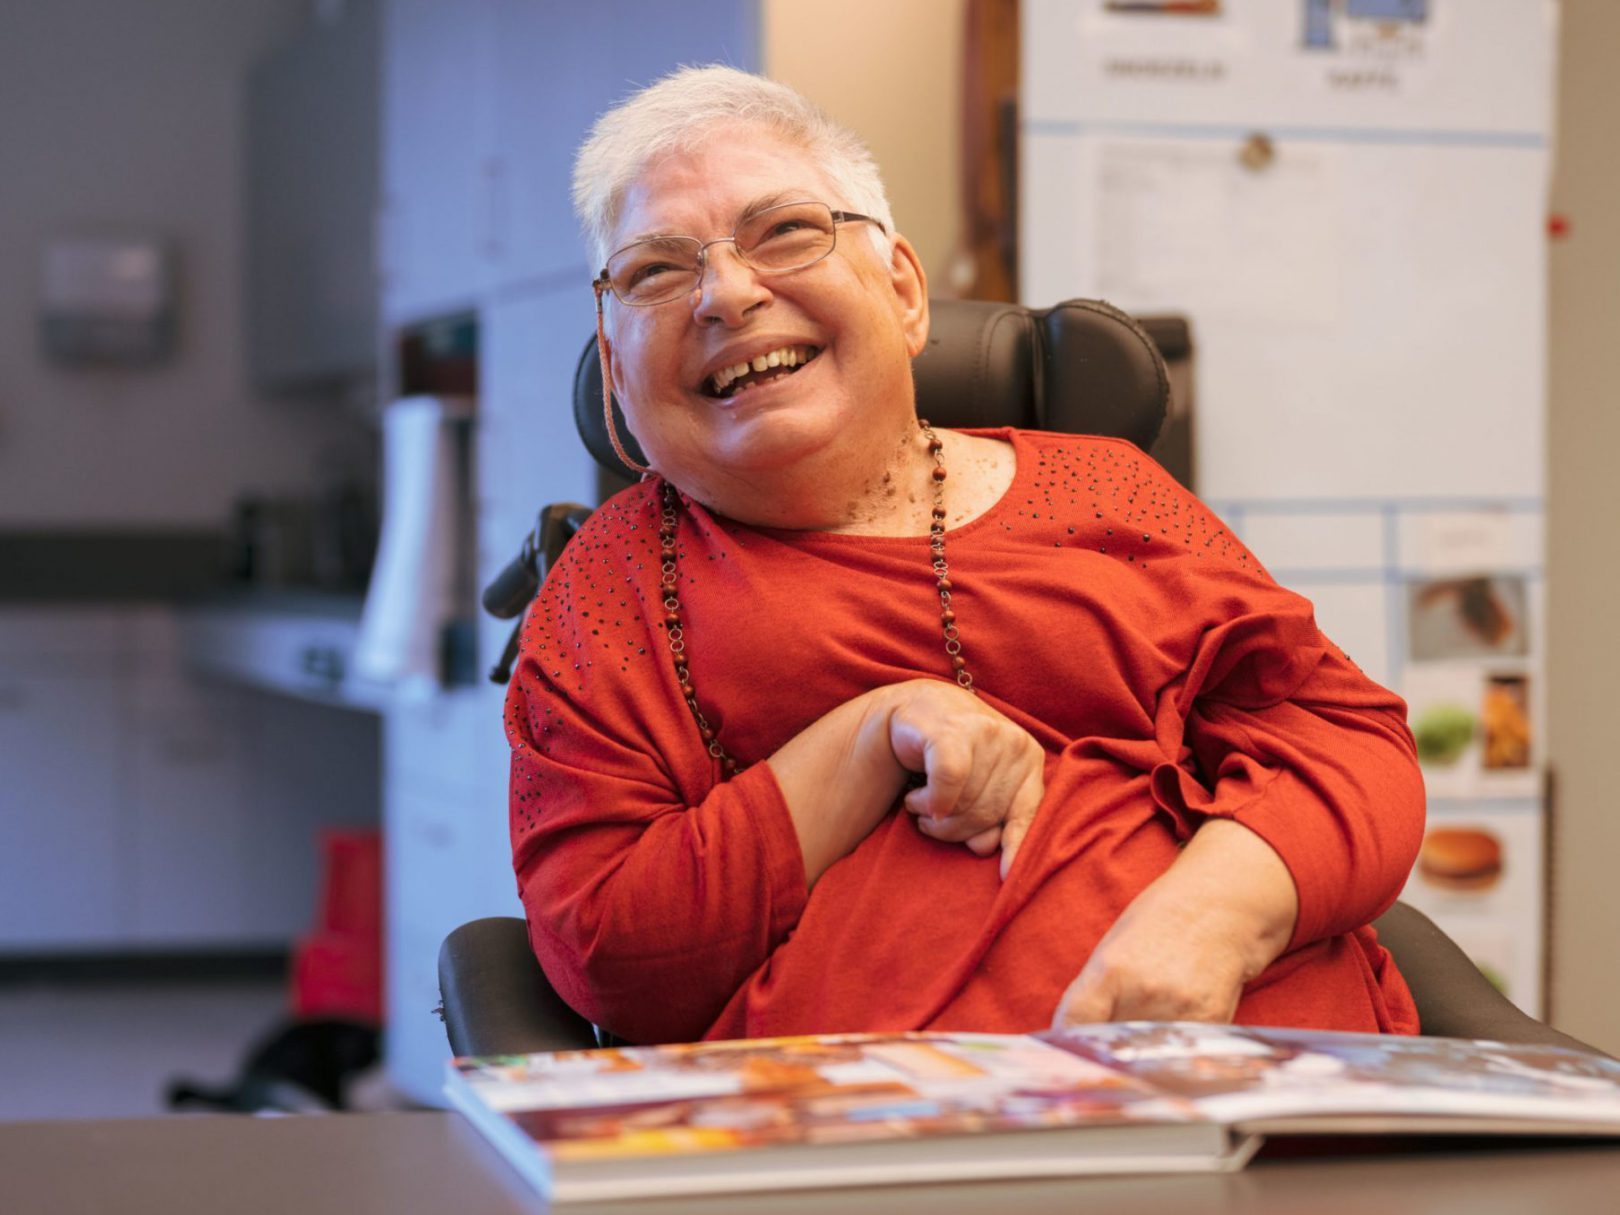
[729, 288]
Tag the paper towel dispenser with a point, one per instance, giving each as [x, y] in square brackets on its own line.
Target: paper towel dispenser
[417, 628]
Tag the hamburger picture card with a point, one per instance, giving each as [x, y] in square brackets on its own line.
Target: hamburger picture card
[1479, 876]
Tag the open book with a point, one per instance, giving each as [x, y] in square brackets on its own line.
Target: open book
[873, 1109]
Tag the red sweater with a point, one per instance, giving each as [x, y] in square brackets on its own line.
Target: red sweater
[1101, 607]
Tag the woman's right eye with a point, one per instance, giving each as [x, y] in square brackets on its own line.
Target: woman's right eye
[650, 270]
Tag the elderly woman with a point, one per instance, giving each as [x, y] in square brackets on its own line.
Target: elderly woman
[837, 721]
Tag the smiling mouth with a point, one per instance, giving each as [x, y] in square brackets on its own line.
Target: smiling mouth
[776, 364]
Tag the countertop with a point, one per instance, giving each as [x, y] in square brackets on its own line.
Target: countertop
[108, 565]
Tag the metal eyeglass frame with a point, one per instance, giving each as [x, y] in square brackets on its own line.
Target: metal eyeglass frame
[603, 284]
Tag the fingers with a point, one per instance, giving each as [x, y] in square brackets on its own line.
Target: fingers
[986, 842]
[1104, 997]
[947, 763]
[981, 770]
[1002, 790]
[1020, 817]
[955, 831]
[1155, 977]
[1085, 1002]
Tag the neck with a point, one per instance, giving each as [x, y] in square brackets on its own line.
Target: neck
[835, 490]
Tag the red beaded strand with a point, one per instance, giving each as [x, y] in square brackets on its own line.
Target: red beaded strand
[942, 571]
[669, 573]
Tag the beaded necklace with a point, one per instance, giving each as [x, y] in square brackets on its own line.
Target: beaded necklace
[669, 579]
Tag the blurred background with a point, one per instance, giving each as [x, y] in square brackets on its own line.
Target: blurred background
[291, 299]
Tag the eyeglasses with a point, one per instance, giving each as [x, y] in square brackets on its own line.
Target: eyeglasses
[777, 240]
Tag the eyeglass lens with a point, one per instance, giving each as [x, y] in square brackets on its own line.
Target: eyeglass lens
[777, 239]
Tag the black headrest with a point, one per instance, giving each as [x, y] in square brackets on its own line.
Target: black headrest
[1079, 367]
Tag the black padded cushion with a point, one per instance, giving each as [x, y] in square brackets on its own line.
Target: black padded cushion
[497, 1000]
[1454, 999]
[1079, 367]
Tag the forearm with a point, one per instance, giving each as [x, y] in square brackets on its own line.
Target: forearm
[839, 777]
[1238, 889]
[1187, 943]
[982, 774]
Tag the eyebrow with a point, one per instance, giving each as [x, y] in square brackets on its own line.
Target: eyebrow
[763, 202]
[766, 201]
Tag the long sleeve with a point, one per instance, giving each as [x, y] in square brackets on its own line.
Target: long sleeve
[1280, 732]
[651, 891]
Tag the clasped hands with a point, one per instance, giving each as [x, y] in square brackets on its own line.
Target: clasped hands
[1182, 949]
[982, 773]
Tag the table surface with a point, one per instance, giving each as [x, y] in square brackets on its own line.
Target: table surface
[354, 1164]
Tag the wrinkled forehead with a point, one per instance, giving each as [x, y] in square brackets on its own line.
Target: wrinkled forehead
[704, 190]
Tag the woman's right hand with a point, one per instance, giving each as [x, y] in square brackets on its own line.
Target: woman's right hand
[983, 773]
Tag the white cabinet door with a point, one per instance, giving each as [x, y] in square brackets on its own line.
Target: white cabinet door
[188, 787]
[439, 171]
[416, 1046]
[557, 68]
[453, 744]
[452, 858]
[310, 767]
[529, 452]
[63, 837]
[448, 862]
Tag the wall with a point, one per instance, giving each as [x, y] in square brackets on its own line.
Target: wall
[1584, 502]
[890, 71]
[127, 117]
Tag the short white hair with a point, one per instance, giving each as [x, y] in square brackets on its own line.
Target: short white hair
[674, 114]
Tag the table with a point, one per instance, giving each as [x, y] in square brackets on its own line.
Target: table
[403, 1163]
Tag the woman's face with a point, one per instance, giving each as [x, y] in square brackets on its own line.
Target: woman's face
[863, 315]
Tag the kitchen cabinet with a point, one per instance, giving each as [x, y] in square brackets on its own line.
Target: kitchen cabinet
[62, 855]
[187, 787]
[452, 741]
[144, 810]
[448, 861]
[556, 69]
[65, 679]
[528, 451]
[312, 184]
[484, 104]
[440, 172]
[309, 766]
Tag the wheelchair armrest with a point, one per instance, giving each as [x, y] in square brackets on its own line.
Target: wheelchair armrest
[497, 1000]
[1454, 999]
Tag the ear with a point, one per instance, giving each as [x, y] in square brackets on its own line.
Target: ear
[910, 284]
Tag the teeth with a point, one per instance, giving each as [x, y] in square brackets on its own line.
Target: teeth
[786, 356]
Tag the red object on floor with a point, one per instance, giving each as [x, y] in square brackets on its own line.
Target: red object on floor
[337, 969]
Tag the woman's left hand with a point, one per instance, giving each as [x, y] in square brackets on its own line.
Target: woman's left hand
[1185, 946]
